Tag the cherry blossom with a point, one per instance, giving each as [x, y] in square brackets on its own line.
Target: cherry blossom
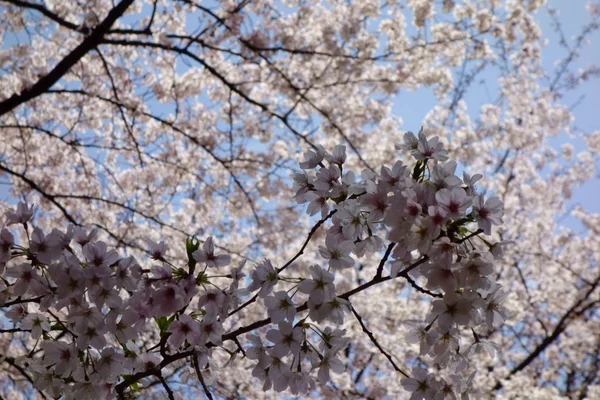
[130, 121]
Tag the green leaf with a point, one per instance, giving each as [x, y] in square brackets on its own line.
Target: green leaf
[163, 323]
[135, 387]
[202, 278]
[191, 245]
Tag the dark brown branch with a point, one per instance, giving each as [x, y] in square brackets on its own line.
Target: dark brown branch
[372, 337]
[22, 371]
[121, 387]
[384, 259]
[201, 378]
[166, 386]
[290, 262]
[66, 63]
[574, 311]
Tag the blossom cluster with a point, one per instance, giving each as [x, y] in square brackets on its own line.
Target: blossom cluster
[425, 214]
[87, 306]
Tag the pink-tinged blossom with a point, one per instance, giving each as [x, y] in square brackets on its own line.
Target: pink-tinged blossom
[430, 148]
[422, 235]
[300, 383]
[21, 216]
[36, 323]
[63, 239]
[338, 253]
[320, 287]
[160, 272]
[91, 292]
[352, 221]
[168, 299]
[97, 255]
[207, 255]
[237, 274]
[4, 293]
[442, 175]
[92, 335]
[377, 204]
[487, 213]
[327, 178]
[258, 351]
[395, 178]
[46, 380]
[333, 338]
[446, 342]
[147, 362]
[412, 210]
[475, 274]
[182, 329]
[437, 217]
[455, 202]
[211, 330]
[338, 155]
[470, 181]
[110, 365]
[332, 310]
[302, 186]
[452, 309]
[45, 248]
[95, 276]
[346, 188]
[122, 325]
[443, 250]
[83, 316]
[286, 339]
[410, 143]
[105, 294]
[483, 347]
[63, 356]
[494, 311]
[6, 242]
[82, 236]
[264, 277]
[368, 245]
[27, 278]
[425, 194]
[313, 157]
[422, 385]
[16, 313]
[424, 336]
[68, 277]
[127, 274]
[157, 250]
[421, 148]
[215, 303]
[329, 362]
[317, 203]
[280, 306]
[441, 275]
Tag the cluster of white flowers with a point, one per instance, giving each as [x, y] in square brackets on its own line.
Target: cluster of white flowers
[88, 306]
[425, 213]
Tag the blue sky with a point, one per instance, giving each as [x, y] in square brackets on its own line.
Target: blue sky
[413, 107]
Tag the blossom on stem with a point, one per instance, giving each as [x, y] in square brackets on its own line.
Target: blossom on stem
[280, 306]
[207, 255]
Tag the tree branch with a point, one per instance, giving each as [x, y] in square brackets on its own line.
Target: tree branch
[66, 63]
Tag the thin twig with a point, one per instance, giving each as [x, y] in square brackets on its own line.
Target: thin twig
[372, 337]
[200, 377]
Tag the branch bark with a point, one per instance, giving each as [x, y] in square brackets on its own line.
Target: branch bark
[66, 63]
